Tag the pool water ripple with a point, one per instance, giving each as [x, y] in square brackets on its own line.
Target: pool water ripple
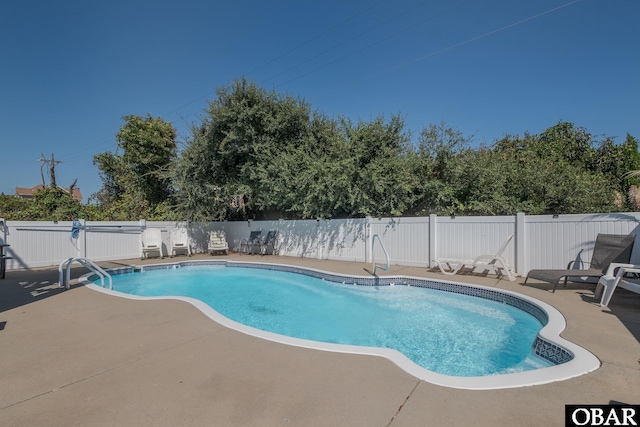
[447, 333]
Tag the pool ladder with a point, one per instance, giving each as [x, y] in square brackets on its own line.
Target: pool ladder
[373, 258]
[66, 265]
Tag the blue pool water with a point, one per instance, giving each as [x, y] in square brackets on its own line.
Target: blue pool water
[444, 332]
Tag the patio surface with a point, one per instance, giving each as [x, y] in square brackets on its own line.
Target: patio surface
[81, 357]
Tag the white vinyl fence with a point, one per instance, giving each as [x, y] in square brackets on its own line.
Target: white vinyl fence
[539, 241]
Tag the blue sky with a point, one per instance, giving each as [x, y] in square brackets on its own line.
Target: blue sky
[72, 69]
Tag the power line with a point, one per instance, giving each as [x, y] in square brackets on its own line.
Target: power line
[352, 53]
[271, 61]
[346, 41]
[471, 40]
[327, 31]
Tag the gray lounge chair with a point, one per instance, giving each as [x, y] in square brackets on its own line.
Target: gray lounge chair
[252, 243]
[268, 247]
[609, 248]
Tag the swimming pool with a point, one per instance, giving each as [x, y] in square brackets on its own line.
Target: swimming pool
[408, 320]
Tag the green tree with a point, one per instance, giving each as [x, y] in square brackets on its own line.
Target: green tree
[620, 160]
[382, 182]
[321, 184]
[241, 160]
[564, 141]
[13, 208]
[437, 157]
[352, 170]
[553, 172]
[52, 204]
[260, 154]
[136, 181]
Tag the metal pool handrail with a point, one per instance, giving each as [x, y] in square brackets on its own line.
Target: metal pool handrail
[373, 258]
[66, 264]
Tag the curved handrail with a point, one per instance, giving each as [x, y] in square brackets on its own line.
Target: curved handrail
[373, 258]
[92, 266]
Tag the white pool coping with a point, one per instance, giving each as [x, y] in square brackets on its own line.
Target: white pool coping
[582, 363]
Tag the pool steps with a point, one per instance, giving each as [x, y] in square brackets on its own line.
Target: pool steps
[92, 266]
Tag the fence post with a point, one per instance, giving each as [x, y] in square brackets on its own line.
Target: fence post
[143, 226]
[3, 224]
[319, 243]
[368, 238]
[433, 236]
[521, 244]
[82, 239]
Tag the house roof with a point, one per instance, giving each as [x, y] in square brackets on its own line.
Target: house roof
[28, 192]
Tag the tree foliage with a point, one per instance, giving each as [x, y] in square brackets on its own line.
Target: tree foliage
[136, 183]
[534, 174]
[236, 162]
[262, 154]
[47, 204]
[258, 153]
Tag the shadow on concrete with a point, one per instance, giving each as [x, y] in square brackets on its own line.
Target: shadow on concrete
[21, 287]
[625, 305]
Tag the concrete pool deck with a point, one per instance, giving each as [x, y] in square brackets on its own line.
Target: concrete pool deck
[80, 357]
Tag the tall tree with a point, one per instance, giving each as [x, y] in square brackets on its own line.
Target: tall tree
[382, 182]
[437, 156]
[237, 161]
[136, 178]
[554, 172]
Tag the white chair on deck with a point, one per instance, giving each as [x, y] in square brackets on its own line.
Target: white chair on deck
[180, 241]
[609, 283]
[218, 242]
[495, 264]
[151, 240]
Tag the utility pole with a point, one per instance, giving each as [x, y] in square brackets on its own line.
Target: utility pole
[52, 169]
[42, 162]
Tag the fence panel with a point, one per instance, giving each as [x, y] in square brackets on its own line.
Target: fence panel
[38, 243]
[467, 237]
[342, 239]
[104, 240]
[543, 241]
[553, 242]
[295, 238]
[326, 239]
[406, 240]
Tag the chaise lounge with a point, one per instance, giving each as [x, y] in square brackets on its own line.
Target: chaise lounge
[608, 249]
[491, 263]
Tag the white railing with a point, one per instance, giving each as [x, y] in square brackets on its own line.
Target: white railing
[92, 266]
[373, 257]
[542, 241]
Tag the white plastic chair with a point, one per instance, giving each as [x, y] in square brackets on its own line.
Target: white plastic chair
[218, 242]
[180, 241]
[151, 240]
[609, 283]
